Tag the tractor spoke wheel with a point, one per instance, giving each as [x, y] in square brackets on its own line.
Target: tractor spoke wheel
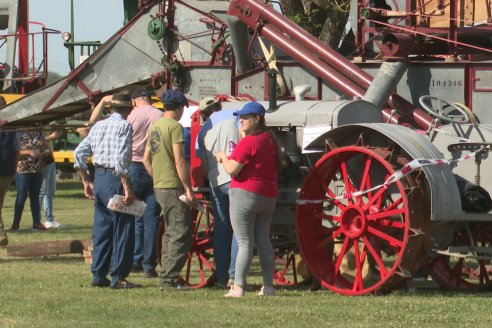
[290, 269]
[469, 270]
[366, 243]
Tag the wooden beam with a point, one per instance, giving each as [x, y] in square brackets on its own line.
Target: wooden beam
[48, 248]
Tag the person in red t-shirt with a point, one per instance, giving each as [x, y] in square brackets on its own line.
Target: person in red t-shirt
[253, 165]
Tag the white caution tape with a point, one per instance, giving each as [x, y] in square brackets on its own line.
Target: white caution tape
[398, 175]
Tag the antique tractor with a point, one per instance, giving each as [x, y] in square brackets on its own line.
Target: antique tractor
[385, 201]
[376, 203]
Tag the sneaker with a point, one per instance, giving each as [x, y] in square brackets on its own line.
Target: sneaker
[225, 285]
[136, 268]
[125, 284]
[14, 227]
[235, 292]
[53, 225]
[150, 273]
[39, 227]
[173, 286]
[105, 283]
[266, 291]
[221, 285]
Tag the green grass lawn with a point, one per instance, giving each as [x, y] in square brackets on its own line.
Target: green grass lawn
[55, 292]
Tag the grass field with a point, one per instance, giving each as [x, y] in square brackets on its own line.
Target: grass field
[55, 292]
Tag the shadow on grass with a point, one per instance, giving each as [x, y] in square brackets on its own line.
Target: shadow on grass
[72, 189]
[429, 290]
[67, 229]
[55, 259]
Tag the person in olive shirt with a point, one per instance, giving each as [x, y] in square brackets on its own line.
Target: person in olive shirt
[164, 159]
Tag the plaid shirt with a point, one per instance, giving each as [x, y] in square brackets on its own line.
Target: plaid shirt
[109, 143]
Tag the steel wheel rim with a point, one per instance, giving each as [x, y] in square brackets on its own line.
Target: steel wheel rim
[367, 226]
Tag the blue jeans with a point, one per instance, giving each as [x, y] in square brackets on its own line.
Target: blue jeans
[113, 233]
[147, 226]
[48, 189]
[225, 245]
[28, 184]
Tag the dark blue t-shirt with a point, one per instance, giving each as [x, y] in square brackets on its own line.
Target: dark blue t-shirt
[8, 147]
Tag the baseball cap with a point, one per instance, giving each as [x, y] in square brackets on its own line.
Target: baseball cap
[121, 100]
[174, 97]
[206, 102]
[251, 108]
[139, 92]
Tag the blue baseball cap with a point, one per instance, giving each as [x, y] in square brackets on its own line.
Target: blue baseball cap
[251, 108]
[174, 97]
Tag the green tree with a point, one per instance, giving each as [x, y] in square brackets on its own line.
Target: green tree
[324, 19]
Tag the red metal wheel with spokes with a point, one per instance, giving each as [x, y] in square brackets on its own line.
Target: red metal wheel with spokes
[199, 269]
[290, 269]
[468, 267]
[364, 244]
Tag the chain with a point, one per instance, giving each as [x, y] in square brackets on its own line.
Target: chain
[161, 48]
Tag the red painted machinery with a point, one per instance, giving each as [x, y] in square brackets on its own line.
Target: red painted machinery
[19, 72]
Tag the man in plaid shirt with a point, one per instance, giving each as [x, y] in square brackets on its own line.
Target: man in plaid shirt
[113, 234]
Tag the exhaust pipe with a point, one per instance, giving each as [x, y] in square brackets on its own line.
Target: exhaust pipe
[385, 82]
[272, 90]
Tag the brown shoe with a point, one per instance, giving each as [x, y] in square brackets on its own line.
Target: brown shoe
[14, 227]
[4, 241]
[39, 227]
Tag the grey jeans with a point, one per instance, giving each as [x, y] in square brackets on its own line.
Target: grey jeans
[177, 237]
[251, 217]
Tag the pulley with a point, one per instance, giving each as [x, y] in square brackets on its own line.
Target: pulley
[156, 29]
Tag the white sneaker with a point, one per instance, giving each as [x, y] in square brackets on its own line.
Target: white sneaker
[53, 225]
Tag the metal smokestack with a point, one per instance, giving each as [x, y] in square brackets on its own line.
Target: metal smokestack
[272, 89]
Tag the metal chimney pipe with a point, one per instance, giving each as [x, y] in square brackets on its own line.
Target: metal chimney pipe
[272, 89]
[239, 40]
[384, 84]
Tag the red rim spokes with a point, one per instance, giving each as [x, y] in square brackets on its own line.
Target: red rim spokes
[356, 243]
[290, 269]
[199, 271]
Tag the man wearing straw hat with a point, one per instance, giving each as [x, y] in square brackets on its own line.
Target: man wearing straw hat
[110, 144]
